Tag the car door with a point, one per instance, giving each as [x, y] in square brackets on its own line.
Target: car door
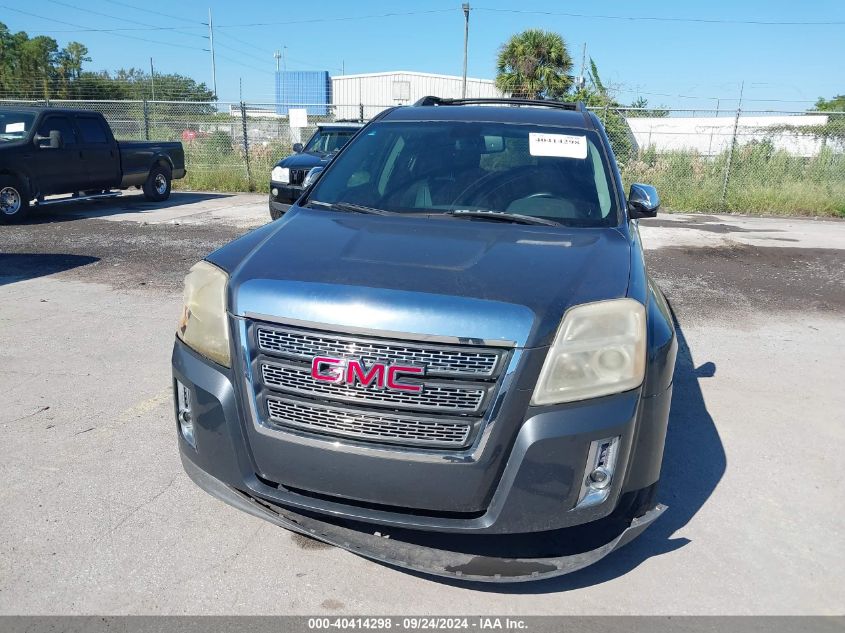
[58, 169]
[98, 152]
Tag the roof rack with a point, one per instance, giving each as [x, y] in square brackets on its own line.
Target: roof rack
[577, 106]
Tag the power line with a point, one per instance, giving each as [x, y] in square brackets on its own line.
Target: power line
[114, 17]
[394, 14]
[120, 29]
[649, 18]
[245, 42]
[704, 97]
[268, 55]
[133, 37]
[145, 10]
[240, 63]
[82, 29]
[244, 53]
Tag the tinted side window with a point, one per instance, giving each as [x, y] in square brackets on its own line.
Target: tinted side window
[92, 130]
[63, 125]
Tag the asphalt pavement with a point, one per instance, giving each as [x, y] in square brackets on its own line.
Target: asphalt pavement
[99, 517]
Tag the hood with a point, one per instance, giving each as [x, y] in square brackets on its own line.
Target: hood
[303, 160]
[444, 277]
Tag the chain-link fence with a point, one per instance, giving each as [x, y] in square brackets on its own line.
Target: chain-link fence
[739, 161]
[742, 161]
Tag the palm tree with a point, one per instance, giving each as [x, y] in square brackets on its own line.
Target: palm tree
[534, 64]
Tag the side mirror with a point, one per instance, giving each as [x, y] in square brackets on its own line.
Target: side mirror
[297, 147]
[312, 176]
[53, 141]
[643, 201]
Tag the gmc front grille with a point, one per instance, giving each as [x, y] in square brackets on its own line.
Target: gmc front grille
[458, 386]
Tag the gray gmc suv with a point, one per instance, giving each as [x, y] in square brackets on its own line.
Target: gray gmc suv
[447, 356]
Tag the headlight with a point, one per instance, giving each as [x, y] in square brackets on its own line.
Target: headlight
[599, 349]
[280, 174]
[202, 325]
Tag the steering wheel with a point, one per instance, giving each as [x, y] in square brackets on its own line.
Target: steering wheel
[471, 191]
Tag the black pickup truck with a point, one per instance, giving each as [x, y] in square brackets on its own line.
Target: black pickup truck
[47, 151]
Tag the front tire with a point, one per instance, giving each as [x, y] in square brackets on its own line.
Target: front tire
[14, 200]
[157, 186]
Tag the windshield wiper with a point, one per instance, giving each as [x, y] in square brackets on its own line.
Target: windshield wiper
[501, 216]
[348, 206]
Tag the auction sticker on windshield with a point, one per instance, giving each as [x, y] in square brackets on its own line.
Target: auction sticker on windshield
[560, 145]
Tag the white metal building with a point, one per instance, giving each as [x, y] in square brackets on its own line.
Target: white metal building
[378, 91]
[711, 136]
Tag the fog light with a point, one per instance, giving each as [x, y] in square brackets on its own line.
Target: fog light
[184, 414]
[598, 475]
[275, 192]
[599, 479]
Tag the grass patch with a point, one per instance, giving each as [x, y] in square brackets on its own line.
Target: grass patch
[762, 181]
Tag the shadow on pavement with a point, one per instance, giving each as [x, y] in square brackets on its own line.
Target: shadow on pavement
[22, 266]
[693, 464]
[104, 207]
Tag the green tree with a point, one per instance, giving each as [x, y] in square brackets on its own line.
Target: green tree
[642, 110]
[38, 65]
[596, 96]
[534, 64]
[75, 55]
[10, 57]
[836, 104]
[35, 68]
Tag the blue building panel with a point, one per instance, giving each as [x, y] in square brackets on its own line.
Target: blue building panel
[309, 89]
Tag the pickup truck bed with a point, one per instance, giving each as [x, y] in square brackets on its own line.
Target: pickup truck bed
[136, 157]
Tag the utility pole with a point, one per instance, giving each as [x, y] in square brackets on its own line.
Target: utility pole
[733, 147]
[277, 55]
[582, 80]
[283, 79]
[465, 7]
[152, 79]
[213, 63]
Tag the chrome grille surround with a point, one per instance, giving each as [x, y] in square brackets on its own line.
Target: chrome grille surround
[372, 426]
[439, 360]
[448, 414]
[457, 398]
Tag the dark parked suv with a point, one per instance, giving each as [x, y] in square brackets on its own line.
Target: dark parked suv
[288, 178]
[447, 355]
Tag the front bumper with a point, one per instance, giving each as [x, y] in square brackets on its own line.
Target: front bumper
[429, 560]
[532, 496]
[287, 193]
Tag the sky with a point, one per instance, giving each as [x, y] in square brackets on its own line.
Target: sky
[697, 55]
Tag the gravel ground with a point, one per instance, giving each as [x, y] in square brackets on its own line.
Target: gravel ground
[100, 518]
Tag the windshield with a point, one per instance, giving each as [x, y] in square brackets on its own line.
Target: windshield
[328, 141]
[552, 173]
[15, 126]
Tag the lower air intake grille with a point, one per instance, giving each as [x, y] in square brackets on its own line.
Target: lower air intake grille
[398, 429]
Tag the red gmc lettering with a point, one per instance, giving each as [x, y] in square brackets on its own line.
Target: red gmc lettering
[318, 371]
[393, 376]
[356, 371]
[338, 370]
